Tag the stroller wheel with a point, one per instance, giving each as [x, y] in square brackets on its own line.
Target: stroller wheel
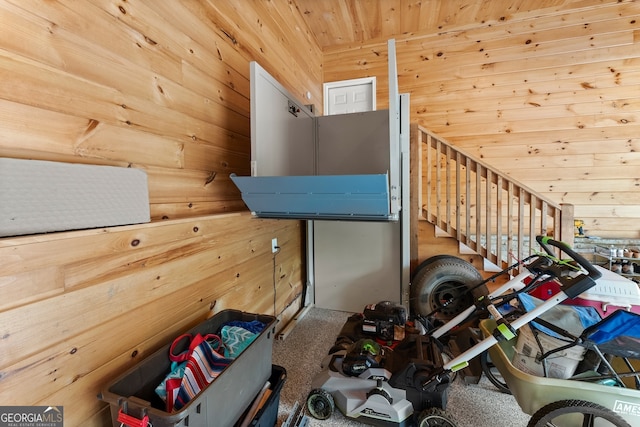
[435, 417]
[320, 404]
[489, 369]
[577, 412]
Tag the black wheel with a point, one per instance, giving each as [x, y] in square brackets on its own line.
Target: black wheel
[435, 417]
[426, 262]
[320, 404]
[578, 413]
[492, 373]
[441, 286]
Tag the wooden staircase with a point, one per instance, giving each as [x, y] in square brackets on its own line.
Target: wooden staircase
[490, 215]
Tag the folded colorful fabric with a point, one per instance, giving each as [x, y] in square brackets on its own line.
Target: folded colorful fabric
[177, 372]
[192, 369]
[203, 366]
[235, 339]
[206, 357]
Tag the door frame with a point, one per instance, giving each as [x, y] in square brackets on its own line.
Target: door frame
[346, 83]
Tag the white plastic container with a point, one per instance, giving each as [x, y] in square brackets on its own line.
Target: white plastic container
[612, 292]
[562, 364]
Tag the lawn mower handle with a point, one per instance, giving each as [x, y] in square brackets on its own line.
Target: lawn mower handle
[572, 286]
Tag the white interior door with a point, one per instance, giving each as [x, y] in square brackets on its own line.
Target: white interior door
[350, 96]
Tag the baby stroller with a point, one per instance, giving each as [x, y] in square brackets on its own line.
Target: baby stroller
[415, 394]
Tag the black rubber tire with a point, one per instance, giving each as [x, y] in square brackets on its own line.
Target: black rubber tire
[441, 285]
[435, 417]
[426, 262]
[320, 404]
[591, 412]
[488, 368]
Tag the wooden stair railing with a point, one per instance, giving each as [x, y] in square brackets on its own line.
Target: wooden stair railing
[484, 209]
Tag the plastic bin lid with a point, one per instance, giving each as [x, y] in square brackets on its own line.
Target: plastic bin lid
[613, 288]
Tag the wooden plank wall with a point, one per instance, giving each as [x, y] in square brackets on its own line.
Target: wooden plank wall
[550, 97]
[164, 87]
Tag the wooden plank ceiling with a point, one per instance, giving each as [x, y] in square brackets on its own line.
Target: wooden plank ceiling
[339, 22]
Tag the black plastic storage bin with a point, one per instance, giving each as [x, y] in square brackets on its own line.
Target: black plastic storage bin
[221, 404]
[267, 416]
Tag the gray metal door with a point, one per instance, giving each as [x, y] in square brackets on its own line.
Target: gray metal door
[355, 263]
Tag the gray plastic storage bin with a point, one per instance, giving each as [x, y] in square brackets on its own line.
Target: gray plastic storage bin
[221, 404]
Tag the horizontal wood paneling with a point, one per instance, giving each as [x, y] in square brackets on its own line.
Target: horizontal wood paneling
[163, 87]
[547, 97]
[145, 85]
[119, 293]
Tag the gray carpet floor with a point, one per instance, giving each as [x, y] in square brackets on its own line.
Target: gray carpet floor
[303, 349]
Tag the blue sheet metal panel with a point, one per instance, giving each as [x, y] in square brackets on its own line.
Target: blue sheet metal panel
[355, 197]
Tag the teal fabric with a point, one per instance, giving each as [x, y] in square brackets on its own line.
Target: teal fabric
[177, 371]
[235, 339]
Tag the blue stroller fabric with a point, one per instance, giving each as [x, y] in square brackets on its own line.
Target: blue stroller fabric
[571, 318]
[618, 335]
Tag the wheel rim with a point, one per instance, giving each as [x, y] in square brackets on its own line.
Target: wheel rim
[578, 419]
[435, 417]
[450, 298]
[444, 286]
[436, 421]
[319, 406]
